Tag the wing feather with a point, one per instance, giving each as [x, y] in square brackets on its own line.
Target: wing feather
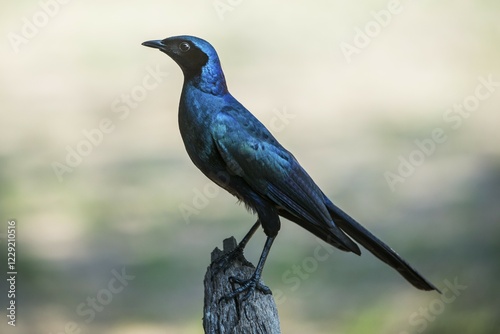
[251, 152]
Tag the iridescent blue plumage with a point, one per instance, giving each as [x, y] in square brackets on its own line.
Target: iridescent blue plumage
[236, 151]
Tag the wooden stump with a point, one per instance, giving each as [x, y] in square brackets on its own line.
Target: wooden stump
[257, 315]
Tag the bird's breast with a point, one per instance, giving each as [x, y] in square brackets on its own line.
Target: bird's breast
[196, 111]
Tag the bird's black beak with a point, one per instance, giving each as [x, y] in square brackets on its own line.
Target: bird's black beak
[157, 44]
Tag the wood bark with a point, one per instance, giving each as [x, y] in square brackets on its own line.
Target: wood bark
[257, 315]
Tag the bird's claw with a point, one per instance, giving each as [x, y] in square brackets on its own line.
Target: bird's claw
[248, 286]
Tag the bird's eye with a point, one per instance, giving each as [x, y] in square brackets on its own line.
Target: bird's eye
[184, 46]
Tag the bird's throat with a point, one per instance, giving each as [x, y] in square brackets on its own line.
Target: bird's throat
[210, 80]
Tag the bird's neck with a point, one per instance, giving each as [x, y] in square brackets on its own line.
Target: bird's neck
[210, 80]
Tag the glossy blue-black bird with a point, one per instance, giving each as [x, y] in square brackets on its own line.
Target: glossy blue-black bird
[237, 152]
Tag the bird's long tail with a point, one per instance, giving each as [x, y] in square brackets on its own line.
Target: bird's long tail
[377, 247]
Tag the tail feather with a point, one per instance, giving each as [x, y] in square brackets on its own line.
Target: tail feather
[324, 233]
[377, 247]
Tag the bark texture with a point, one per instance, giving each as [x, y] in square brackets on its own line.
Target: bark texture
[257, 315]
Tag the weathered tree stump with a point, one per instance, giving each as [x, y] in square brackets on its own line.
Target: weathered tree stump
[257, 315]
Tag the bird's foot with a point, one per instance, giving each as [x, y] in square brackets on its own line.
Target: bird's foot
[247, 286]
[225, 260]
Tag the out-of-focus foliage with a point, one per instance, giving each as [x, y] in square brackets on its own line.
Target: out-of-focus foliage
[354, 89]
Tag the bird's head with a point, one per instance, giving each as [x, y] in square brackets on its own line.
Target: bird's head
[196, 57]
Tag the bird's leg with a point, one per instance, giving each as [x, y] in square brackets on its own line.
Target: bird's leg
[249, 285]
[223, 262]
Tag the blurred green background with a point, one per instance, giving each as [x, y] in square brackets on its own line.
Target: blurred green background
[350, 118]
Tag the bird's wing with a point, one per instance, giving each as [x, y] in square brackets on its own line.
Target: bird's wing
[251, 152]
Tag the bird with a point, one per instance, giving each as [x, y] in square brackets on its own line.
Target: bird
[229, 145]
